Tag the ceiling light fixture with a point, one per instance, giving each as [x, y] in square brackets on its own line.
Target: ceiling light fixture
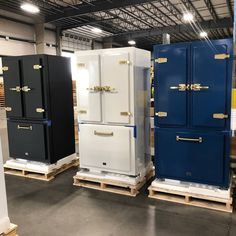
[30, 8]
[96, 30]
[131, 42]
[203, 34]
[188, 17]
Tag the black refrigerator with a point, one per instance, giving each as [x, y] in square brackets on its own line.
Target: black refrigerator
[39, 107]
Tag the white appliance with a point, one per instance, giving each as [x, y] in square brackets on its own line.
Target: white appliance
[4, 219]
[112, 99]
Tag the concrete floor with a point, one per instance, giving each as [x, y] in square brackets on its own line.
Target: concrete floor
[59, 209]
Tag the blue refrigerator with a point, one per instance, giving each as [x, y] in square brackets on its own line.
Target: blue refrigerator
[193, 83]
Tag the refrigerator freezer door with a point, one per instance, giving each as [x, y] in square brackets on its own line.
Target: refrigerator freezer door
[209, 98]
[27, 141]
[106, 147]
[115, 80]
[32, 87]
[171, 69]
[192, 156]
[12, 87]
[88, 88]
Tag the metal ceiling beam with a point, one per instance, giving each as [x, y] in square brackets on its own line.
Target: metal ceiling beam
[98, 6]
[211, 24]
[87, 23]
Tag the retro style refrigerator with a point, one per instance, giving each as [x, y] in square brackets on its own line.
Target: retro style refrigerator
[192, 111]
[112, 91]
[39, 107]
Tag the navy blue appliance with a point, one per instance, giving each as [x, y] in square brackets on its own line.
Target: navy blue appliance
[193, 84]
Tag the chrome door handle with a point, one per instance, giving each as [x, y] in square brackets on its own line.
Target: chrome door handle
[25, 127]
[17, 89]
[180, 87]
[95, 89]
[108, 89]
[198, 87]
[103, 134]
[26, 89]
[199, 140]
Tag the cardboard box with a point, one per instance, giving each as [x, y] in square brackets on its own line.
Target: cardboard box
[233, 146]
[151, 137]
[234, 98]
[151, 111]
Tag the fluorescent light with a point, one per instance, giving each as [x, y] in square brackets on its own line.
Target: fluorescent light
[188, 17]
[96, 30]
[30, 8]
[131, 42]
[203, 34]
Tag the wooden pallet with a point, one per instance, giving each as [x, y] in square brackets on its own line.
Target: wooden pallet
[193, 199]
[34, 174]
[11, 231]
[112, 185]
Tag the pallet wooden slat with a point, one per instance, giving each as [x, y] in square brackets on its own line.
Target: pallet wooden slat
[112, 185]
[38, 175]
[11, 231]
[192, 199]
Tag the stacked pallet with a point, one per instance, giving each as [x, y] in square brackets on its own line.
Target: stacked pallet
[192, 194]
[39, 171]
[11, 231]
[114, 183]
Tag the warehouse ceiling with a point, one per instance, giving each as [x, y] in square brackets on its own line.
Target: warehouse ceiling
[143, 21]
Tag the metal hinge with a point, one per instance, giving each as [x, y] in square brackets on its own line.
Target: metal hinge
[37, 67]
[125, 113]
[40, 110]
[161, 60]
[161, 114]
[81, 64]
[122, 62]
[5, 68]
[83, 112]
[8, 109]
[220, 116]
[221, 56]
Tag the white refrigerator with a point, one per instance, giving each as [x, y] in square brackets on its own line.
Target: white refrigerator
[112, 100]
[4, 219]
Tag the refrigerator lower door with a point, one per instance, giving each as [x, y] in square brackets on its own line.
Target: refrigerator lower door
[107, 148]
[192, 156]
[27, 141]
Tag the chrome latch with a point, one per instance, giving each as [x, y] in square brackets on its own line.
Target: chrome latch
[198, 87]
[8, 109]
[222, 56]
[125, 113]
[220, 116]
[37, 67]
[82, 112]
[180, 87]
[40, 110]
[5, 68]
[17, 89]
[161, 114]
[124, 62]
[25, 89]
[161, 60]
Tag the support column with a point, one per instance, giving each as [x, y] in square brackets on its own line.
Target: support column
[165, 38]
[40, 38]
[58, 41]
